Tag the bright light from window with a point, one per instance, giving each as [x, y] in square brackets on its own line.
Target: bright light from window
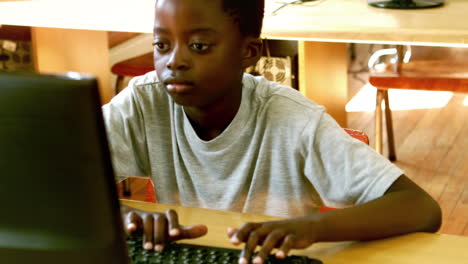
[108, 15]
[465, 102]
[364, 100]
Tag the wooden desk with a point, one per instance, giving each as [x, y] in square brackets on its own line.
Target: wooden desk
[323, 29]
[415, 248]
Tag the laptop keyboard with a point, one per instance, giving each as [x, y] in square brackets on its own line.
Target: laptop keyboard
[178, 253]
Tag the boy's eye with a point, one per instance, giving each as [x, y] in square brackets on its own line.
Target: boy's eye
[199, 46]
[161, 46]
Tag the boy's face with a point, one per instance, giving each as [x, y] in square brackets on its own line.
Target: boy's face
[198, 51]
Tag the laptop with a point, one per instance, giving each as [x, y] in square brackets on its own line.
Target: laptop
[59, 201]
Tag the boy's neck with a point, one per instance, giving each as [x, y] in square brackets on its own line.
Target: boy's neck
[209, 122]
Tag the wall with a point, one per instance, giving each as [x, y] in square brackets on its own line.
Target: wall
[61, 50]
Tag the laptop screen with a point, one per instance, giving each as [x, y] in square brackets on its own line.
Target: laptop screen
[59, 202]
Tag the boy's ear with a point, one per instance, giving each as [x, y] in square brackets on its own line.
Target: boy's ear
[253, 48]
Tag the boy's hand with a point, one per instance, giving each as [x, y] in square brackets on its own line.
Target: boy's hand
[158, 228]
[284, 235]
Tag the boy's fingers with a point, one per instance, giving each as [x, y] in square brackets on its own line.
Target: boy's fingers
[160, 231]
[273, 239]
[132, 223]
[249, 248]
[243, 233]
[286, 246]
[194, 231]
[173, 219]
[148, 231]
[231, 231]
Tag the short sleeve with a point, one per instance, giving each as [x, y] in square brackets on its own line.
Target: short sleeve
[125, 128]
[345, 171]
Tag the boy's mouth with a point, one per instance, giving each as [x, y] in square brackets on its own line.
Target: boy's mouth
[178, 86]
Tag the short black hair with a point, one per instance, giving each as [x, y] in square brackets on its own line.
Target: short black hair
[247, 13]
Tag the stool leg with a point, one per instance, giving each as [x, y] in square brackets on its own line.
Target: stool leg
[389, 124]
[118, 83]
[378, 120]
[127, 191]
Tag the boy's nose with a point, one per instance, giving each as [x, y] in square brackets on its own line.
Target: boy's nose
[178, 60]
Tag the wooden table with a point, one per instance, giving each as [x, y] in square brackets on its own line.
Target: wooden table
[323, 30]
[414, 248]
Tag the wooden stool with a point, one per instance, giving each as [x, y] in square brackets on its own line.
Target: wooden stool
[132, 67]
[430, 69]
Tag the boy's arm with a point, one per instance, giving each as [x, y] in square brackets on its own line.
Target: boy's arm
[404, 208]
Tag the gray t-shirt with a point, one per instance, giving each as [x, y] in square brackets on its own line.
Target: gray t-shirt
[281, 155]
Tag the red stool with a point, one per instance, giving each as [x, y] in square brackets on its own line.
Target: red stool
[132, 67]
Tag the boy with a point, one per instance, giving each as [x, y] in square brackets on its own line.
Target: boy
[211, 136]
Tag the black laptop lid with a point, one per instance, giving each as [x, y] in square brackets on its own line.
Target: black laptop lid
[59, 203]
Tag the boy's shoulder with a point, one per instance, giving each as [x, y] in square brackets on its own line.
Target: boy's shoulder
[149, 78]
[146, 88]
[273, 94]
[140, 90]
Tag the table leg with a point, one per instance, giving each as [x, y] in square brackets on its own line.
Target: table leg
[323, 76]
